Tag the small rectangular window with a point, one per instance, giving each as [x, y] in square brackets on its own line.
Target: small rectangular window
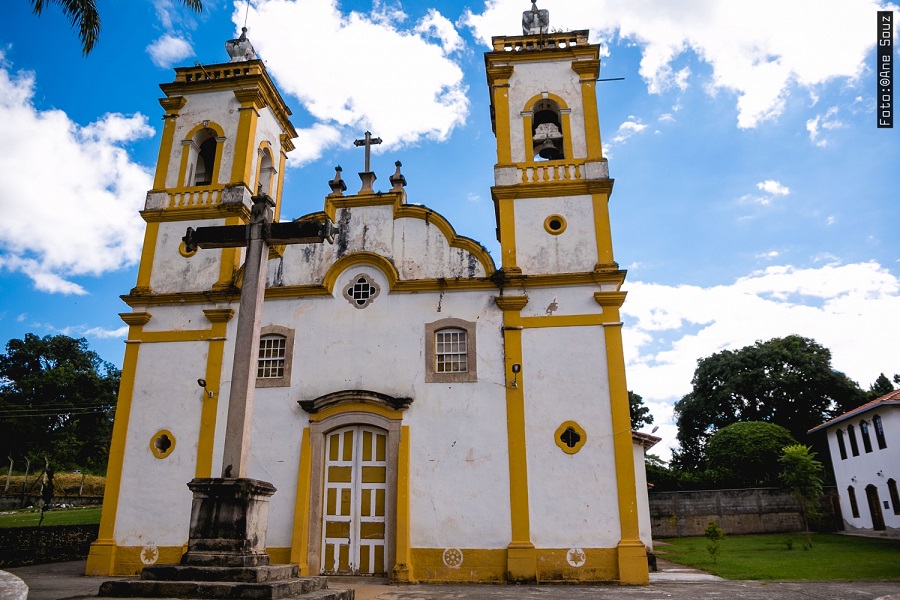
[272, 349]
[450, 351]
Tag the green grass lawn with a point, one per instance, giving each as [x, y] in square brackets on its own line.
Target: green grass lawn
[768, 557]
[72, 516]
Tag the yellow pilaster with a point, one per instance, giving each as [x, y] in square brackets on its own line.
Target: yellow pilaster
[300, 534]
[403, 569]
[148, 254]
[521, 555]
[219, 318]
[102, 556]
[603, 231]
[498, 79]
[588, 72]
[244, 148]
[506, 223]
[172, 106]
[632, 554]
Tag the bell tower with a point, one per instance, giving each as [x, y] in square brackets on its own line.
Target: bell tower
[551, 197]
[552, 183]
[226, 134]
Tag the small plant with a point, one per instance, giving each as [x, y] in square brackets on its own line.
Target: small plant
[789, 543]
[714, 534]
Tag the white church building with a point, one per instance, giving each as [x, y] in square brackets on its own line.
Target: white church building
[424, 412]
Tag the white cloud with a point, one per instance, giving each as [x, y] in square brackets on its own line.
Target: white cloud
[381, 74]
[850, 309]
[758, 50]
[434, 24]
[626, 130]
[774, 188]
[71, 194]
[312, 142]
[768, 255]
[826, 121]
[168, 50]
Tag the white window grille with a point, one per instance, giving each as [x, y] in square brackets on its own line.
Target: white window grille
[272, 352]
[450, 351]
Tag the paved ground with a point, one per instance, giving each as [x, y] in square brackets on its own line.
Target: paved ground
[65, 580]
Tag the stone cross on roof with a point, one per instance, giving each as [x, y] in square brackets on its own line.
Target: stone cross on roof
[367, 176]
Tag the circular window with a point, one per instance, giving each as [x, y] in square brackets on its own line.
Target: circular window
[182, 250]
[555, 224]
[162, 443]
[570, 437]
[361, 291]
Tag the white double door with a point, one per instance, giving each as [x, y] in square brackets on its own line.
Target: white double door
[355, 524]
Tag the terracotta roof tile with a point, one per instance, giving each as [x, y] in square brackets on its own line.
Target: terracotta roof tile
[888, 399]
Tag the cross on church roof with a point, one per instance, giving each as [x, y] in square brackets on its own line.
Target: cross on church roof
[368, 142]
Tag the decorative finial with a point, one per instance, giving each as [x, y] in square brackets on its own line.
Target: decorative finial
[397, 179]
[535, 21]
[240, 49]
[337, 185]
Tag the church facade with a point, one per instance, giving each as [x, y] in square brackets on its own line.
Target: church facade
[424, 413]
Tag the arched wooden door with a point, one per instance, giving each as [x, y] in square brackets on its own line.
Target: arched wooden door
[875, 508]
[354, 518]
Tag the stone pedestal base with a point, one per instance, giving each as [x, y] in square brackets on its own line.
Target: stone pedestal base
[229, 518]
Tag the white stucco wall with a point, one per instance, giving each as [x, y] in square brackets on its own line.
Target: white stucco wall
[863, 470]
[540, 252]
[643, 499]
[572, 497]
[154, 501]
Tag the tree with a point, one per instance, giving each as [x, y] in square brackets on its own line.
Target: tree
[787, 381]
[640, 414]
[56, 400]
[802, 474]
[746, 454]
[881, 387]
[85, 17]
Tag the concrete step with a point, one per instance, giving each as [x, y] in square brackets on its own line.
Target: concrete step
[308, 587]
[236, 574]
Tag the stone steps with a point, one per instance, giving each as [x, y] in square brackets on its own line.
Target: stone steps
[223, 583]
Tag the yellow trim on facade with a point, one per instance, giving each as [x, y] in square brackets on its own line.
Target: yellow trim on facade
[552, 189]
[560, 224]
[565, 126]
[506, 233]
[358, 258]
[219, 317]
[602, 229]
[521, 558]
[172, 107]
[588, 72]
[148, 254]
[557, 437]
[632, 555]
[251, 101]
[563, 321]
[183, 335]
[300, 534]
[498, 80]
[186, 144]
[159, 452]
[403, 569]
[599, 564]
[102, 557]
[282, 163]
[478, 565]
[196, 213]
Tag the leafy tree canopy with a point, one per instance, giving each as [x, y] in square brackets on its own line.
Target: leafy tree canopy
[881, 386]
[746, 454]
[802, 474]
[640, 414]
[56, 400]
[787, 381]
[85, 17]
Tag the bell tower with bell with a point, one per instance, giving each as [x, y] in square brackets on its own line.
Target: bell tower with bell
[551, 197]
[549, 157]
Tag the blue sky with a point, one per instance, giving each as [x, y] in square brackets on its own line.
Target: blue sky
[754, 195]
